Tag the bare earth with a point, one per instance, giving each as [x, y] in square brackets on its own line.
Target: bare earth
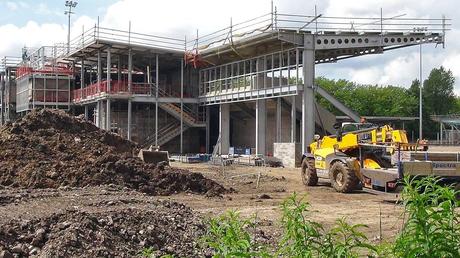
[278, 183]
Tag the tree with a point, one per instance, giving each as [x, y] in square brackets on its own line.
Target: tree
[438, 98]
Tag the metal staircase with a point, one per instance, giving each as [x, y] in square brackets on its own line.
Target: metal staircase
[165, 134]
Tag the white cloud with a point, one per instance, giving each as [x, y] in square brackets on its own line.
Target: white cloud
[180, 17]
[12, 6]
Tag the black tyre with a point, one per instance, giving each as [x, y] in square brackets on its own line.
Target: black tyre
[309, 176]
[343, 179]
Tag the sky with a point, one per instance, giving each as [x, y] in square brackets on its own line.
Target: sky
[34, 23]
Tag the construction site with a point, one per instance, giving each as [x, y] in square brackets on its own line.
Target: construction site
[118, 142]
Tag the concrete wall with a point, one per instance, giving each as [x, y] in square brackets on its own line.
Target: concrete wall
[289, 153]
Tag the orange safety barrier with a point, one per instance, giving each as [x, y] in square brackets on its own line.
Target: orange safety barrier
[25, 70]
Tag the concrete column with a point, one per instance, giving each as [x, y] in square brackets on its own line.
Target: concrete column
[278, 120]
[208, 127]
[82, 74]
[293, 119]
[308, 95]
[261, 124]
[86, 112]
[224, 128]
[129, 119]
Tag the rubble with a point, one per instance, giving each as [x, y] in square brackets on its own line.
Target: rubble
[166, 227]
[50, 149]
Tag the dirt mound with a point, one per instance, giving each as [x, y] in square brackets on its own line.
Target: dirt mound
[166, 228]
[49, 149]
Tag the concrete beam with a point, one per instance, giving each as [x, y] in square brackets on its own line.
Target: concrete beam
[261, 124]
[224, 128]
[308, 95]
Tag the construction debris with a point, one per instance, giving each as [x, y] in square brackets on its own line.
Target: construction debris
[50, 149]
[165, 228]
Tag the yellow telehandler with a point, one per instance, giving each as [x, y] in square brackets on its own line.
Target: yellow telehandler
[366, 155]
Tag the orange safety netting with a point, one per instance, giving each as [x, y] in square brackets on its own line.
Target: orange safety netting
[194, 58]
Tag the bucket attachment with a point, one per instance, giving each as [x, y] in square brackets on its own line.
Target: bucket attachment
[154, 156]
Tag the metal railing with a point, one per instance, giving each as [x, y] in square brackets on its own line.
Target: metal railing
[318, 24]
[98, 33]
[9, 61]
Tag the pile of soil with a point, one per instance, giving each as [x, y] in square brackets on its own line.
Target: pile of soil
[50, 149]
[166, 228]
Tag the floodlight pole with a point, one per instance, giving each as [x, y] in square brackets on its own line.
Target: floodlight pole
[420, 95]
[70, 4]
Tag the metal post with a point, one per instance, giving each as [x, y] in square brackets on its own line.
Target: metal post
[2, 85]
[308, 96]
[109, 70]
[157, 70]
[108, 123]
[130, 81]
[119, 69]
[181, 106]
[261, 125]
[293, 119]
[208, 128]
[82, 74]
[129, 119]
[420, 95]
[130, 69]
[440, 132]
[99, 71]
[86, 112]
[278, 120]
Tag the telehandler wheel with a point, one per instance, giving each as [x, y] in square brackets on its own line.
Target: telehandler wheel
[309, 176]
[343, 179]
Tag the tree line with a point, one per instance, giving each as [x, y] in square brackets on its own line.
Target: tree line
[438, 98]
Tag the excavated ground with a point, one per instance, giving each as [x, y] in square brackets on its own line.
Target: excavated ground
[69, 189]
[50, 149]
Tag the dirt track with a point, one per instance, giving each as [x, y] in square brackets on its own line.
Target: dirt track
[279, 183]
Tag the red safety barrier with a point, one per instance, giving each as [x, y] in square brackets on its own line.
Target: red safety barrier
[61, 70]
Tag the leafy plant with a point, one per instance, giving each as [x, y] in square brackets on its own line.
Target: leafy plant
[147, 252]
[432, 228]
[305, 238]
[228, 236]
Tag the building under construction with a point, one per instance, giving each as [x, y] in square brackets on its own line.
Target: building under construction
[248, 86]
